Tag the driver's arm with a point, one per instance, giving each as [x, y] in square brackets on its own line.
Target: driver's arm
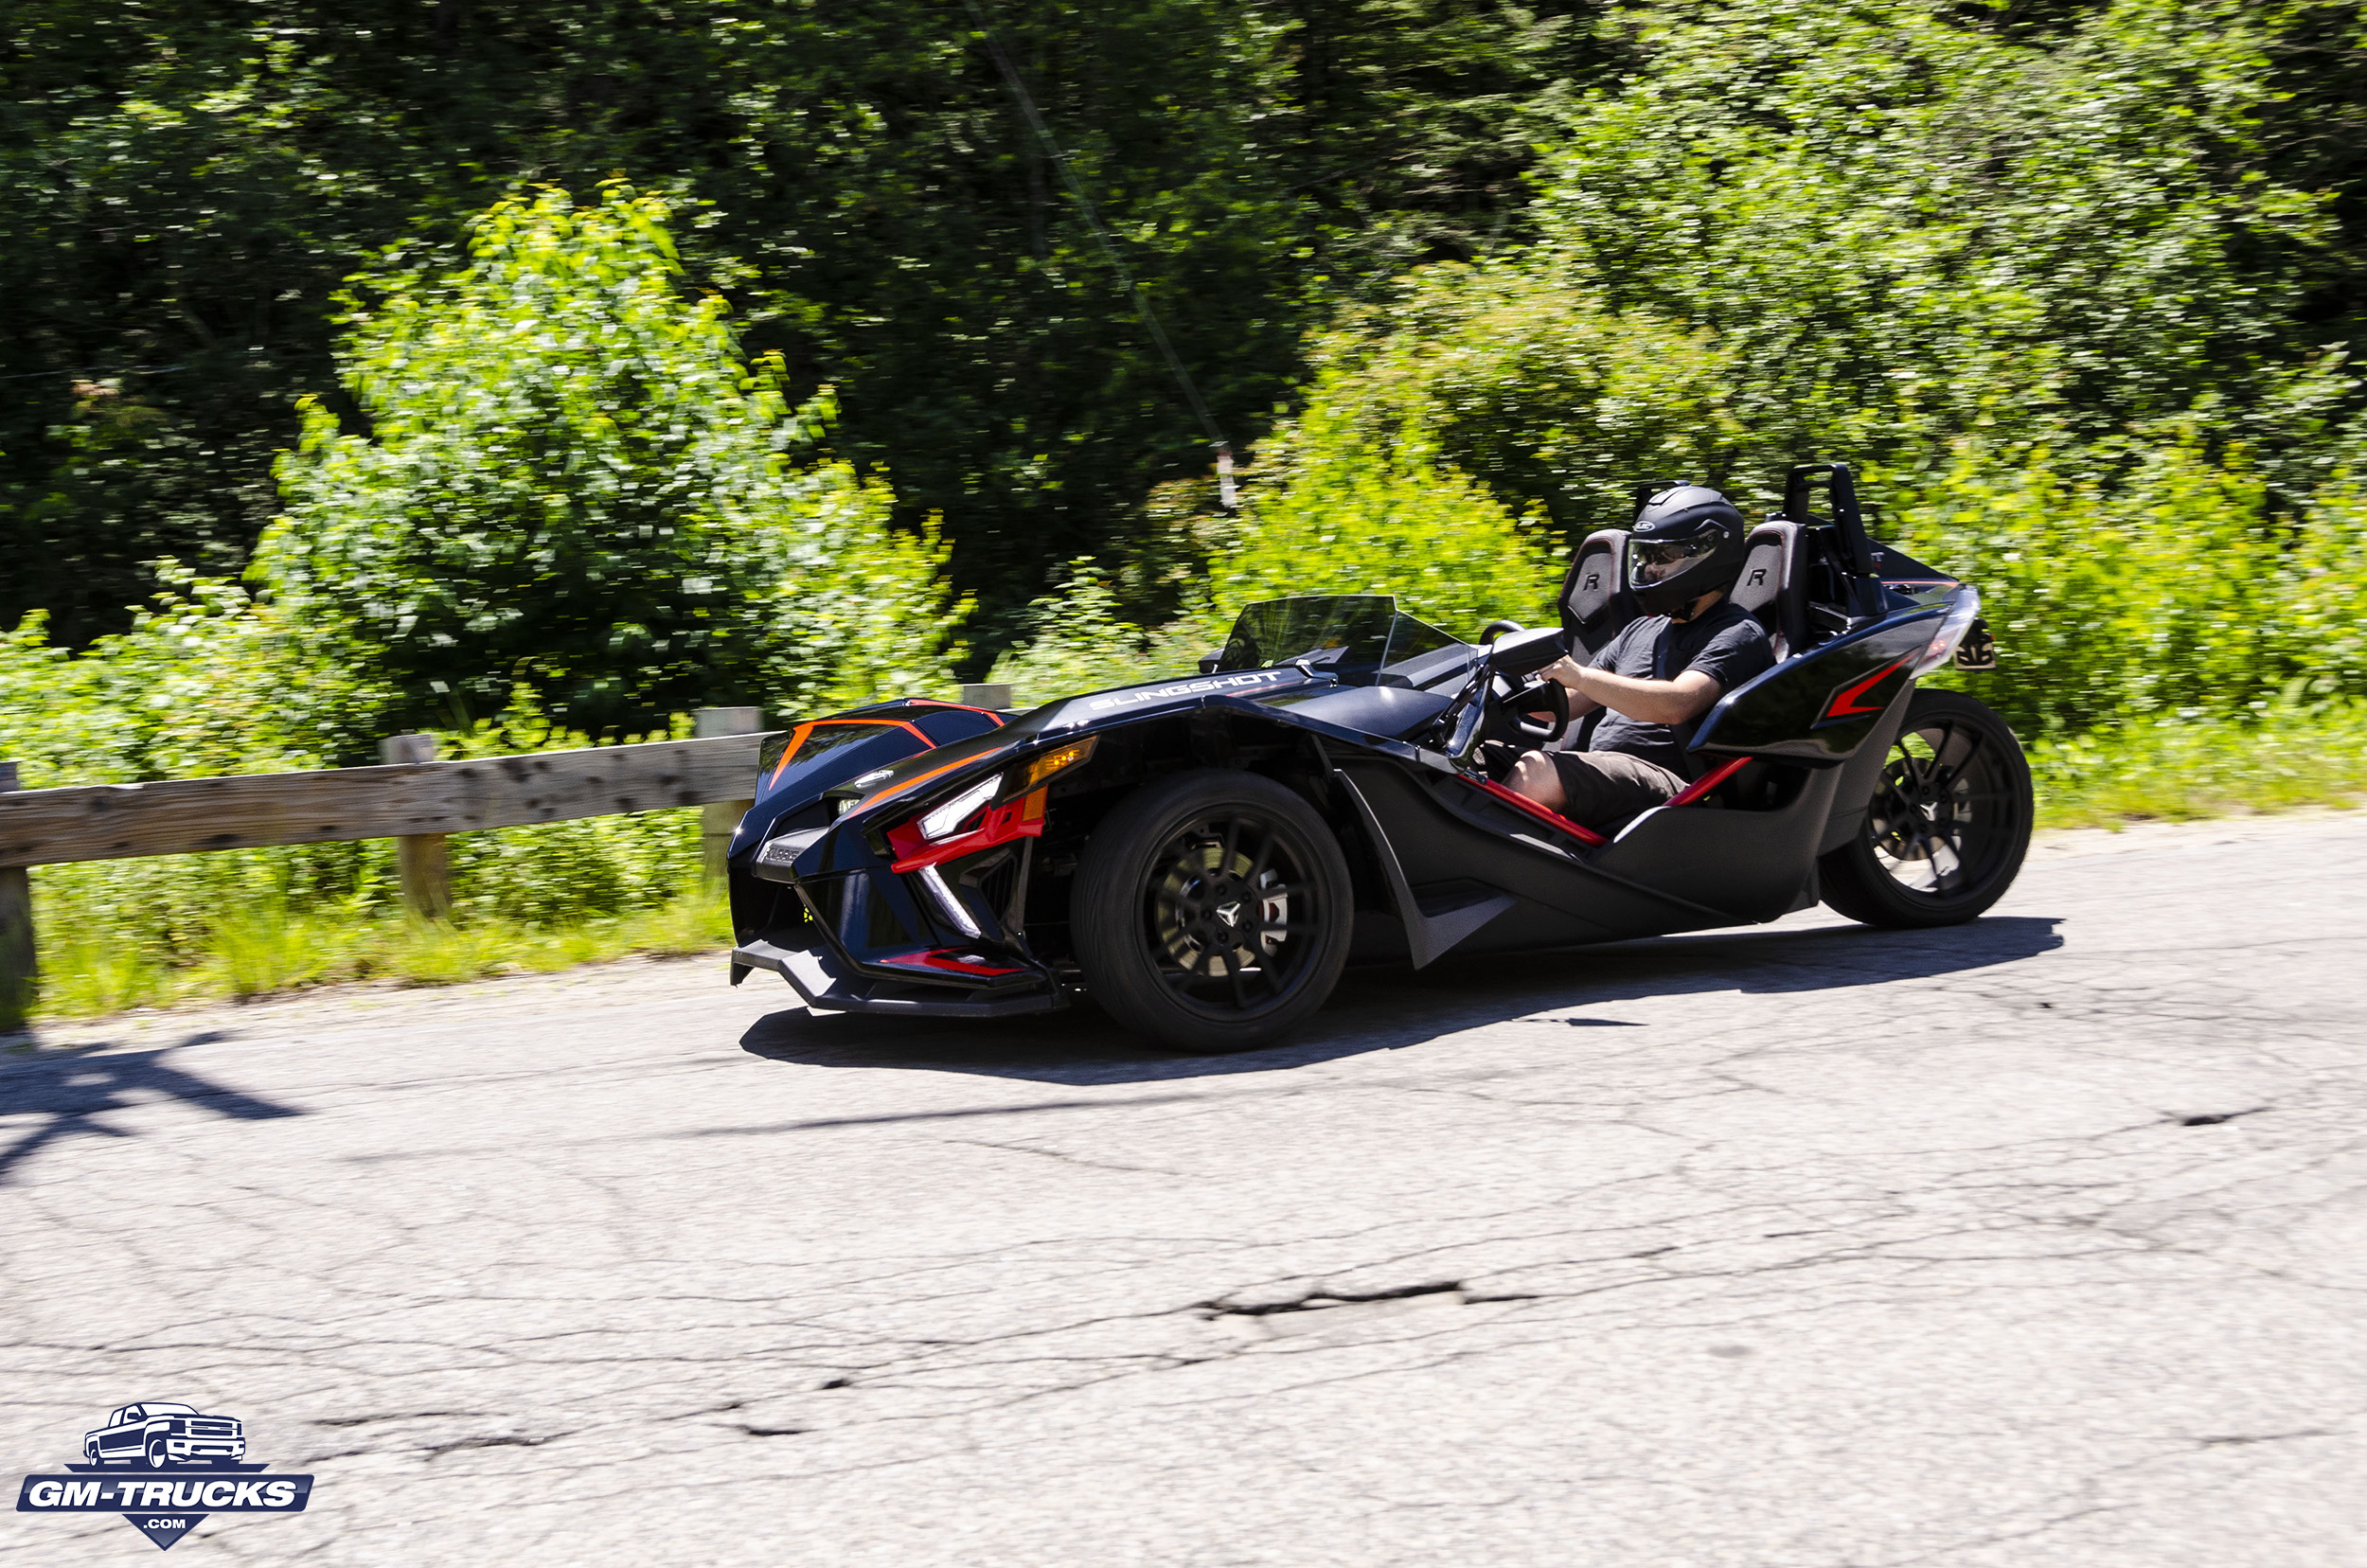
[1680, 701]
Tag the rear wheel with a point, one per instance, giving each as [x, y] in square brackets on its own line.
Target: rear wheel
[1212, 911]
[1949, 824]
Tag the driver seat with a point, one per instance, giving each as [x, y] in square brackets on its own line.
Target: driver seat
[1595, 607]
[1595, 604]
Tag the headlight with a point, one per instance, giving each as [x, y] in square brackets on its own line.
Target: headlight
[1953, 626]
[947, 820]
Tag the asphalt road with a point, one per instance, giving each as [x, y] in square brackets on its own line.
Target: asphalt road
[2041, 1241]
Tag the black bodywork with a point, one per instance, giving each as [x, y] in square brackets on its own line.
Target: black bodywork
[1396, 733]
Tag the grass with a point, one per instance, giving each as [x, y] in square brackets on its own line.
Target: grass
[2180, 769]
[266, 948]
[2167, 769]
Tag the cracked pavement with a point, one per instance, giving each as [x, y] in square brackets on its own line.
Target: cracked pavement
[2037, 1242]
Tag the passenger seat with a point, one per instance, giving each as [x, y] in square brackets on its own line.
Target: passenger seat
[1775, 585]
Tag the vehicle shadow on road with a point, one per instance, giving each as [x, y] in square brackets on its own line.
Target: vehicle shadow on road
[69, 1094]
[1389, 1007]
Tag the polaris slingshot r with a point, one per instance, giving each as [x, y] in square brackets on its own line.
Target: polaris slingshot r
[1204, 856]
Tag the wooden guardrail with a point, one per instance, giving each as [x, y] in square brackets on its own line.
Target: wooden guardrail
[414, 801]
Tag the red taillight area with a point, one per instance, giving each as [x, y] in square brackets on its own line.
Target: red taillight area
[1545, 814]
[1005, 824]
[1849, 701]
[948, 961]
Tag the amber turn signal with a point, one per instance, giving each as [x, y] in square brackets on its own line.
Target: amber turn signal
[1058, 760]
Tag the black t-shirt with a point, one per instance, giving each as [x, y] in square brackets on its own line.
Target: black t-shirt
[1724, 643]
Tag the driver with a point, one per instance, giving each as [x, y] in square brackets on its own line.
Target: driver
[1660, 673]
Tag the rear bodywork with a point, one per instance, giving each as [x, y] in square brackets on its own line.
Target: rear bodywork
[840, 884]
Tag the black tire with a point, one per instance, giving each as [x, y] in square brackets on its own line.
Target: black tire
[1948, 824]
[157, 1457]
[1162, 887]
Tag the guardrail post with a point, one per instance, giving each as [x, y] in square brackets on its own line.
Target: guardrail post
[17, 969]
[421, 859]
[719, 821]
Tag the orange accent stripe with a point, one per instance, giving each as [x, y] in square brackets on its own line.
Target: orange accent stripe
[1709, 781]
[796, 743]
[798, 737]
[965, 707]
[895, 790]
[1543, 813]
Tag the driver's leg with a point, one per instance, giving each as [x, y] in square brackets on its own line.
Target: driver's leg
[1597, 789]
[1534, 776]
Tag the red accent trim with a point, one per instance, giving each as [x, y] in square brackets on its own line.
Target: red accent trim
[1004, 824]
[1709, 781]
[1545, 814]
[940, 960]
[1844, 704]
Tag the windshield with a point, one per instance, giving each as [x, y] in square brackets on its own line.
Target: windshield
[1359, 638]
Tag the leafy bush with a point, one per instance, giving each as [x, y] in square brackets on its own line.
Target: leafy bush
[572, 484]
[2176, 592]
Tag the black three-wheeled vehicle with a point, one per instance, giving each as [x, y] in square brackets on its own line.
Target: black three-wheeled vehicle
[1202, 856]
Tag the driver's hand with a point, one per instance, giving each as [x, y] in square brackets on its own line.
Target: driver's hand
[1564, 671]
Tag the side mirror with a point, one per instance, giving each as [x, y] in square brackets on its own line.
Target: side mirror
[1208, 663]
[1526, 652]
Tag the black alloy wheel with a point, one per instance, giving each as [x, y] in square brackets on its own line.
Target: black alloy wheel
[1212, 911]
[1949, 824]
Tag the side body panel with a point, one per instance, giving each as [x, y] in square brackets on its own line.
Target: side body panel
[1818, 709]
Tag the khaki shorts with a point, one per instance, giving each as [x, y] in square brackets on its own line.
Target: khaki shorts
[1607, 788]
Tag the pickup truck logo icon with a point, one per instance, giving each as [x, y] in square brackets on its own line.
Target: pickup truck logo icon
[165, 1466]
[163, 1435]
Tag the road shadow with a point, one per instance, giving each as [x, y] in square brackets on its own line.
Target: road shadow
[69, 1094]
[1387, 1007]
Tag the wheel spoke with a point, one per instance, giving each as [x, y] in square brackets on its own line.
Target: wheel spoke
[1946, 780]
[1257, 866]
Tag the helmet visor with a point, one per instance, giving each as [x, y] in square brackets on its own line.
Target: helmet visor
[1652, 561]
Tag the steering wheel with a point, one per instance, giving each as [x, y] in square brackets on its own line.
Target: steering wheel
[1520, 701]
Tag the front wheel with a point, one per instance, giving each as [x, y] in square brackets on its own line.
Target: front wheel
[1212, 911]
[1949, 824]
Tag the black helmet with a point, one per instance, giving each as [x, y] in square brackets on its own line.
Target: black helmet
[1688, 540]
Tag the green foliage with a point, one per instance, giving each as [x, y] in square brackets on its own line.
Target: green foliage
[1510, 374]
[188, 185]
[210, 681]
[2171, 769]
[574, 486]
[1332, 514]
[2040, 282]
[1075, 639]
[2173, 594]
[1901, 229]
